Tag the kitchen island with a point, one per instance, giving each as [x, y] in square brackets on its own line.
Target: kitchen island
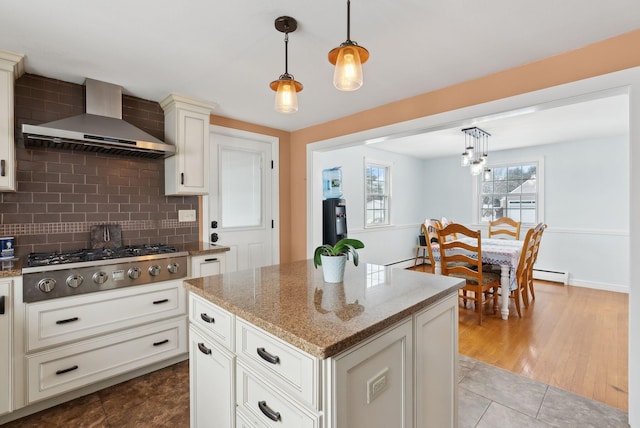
[278, 345]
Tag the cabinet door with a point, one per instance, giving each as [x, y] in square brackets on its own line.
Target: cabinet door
[7, 154]
[193, 131]
[437, 365]
[374, 382]
[5, 345]
[211, 378]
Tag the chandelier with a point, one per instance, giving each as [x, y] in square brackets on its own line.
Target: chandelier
[476, 150]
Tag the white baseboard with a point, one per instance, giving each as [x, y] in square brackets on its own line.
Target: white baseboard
[600, 286]
[549, 275]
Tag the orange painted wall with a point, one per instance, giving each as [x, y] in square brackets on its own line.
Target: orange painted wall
[607, 56]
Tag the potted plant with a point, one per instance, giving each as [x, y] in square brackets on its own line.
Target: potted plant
[333, 258]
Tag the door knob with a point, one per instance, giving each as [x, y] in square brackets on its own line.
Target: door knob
[214, 237]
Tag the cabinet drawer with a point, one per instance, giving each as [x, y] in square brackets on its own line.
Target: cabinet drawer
[70, 367]
[294, 371]
[214, 321]
[207, 265]
[60, 321]
[258, 399]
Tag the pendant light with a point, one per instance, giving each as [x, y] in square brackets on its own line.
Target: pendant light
[286, 86]
[348, 59]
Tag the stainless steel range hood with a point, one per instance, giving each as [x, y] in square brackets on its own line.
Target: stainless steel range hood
[101, 129]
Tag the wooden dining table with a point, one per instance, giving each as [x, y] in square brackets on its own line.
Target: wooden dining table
[501, 252]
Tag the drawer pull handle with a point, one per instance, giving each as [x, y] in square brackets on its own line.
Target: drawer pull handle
[67, 320]
[207, 318]
[211, 260]
[162, 342]
[273, 359]
[63, 371]
[157, 302]
[204, 349]
[274, 416]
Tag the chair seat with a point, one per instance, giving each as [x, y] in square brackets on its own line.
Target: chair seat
[487, 277]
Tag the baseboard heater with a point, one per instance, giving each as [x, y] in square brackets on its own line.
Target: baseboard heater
[551, 275]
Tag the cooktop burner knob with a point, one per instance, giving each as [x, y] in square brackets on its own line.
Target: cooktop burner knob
[154, 270]
[74, 281]
[100, 277]
[173, 267]
[47, 285]
[134, 273]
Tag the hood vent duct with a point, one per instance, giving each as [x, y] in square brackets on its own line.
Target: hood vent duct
[101, 129]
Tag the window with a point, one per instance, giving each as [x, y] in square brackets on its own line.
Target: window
[510, 191]
[377, 178]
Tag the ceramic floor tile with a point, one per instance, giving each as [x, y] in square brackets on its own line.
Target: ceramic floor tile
[85, 411]
[464, 365]
[471, 407]
[498, 416]
[561, 408]
[512, 390]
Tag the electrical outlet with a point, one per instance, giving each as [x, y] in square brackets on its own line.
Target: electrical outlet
[376, 385]
[186, 215]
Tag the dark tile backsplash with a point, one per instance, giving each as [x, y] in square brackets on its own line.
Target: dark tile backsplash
[61, 193]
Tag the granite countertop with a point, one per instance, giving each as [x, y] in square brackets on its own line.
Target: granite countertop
[199, 248]
[292, 302]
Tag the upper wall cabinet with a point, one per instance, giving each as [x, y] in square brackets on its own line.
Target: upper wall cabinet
[186, 125]
[11, 68]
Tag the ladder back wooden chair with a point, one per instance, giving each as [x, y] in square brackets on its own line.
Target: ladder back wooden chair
[537, 237]
[463, 259]
[523, 271]
[504, 227]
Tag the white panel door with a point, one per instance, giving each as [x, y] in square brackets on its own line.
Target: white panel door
[241, 211]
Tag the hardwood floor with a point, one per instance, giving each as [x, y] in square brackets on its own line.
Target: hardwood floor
[570, 337]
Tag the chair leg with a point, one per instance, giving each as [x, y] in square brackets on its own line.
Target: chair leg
[415, 261]
[516, 296]
[533, 294]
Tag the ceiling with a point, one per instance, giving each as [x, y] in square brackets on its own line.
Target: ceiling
[228, 52]
[595, 117]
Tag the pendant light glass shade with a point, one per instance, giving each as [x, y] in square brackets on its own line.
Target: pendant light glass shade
[286, 96]
[347, 75]
[348, 59]
[286, 87]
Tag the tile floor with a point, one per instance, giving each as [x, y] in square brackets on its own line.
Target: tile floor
[488, 397]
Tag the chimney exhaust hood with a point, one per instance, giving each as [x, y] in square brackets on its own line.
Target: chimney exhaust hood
[101, 129]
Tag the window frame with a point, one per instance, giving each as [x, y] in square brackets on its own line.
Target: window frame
[477, 189]
[370, 162]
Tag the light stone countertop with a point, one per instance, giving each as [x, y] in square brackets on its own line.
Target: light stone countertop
[199, 248]
[292, 302]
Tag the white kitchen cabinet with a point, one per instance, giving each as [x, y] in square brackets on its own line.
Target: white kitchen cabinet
[436, 344]
[404, 376]
[208, 264]
[212, 379]
[374, 382]
[6, 345]
[54, 371]
[186, 125]
[74, 342]
[11, 68]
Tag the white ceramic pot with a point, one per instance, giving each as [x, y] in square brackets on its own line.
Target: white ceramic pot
[333, 268]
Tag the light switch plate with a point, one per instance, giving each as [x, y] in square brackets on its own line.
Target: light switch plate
[376, 385]
[186, 215]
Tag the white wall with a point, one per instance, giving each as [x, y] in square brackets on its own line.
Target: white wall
[386, 244]
[586, 206]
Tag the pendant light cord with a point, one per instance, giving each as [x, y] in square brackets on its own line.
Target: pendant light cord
[348, 20]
